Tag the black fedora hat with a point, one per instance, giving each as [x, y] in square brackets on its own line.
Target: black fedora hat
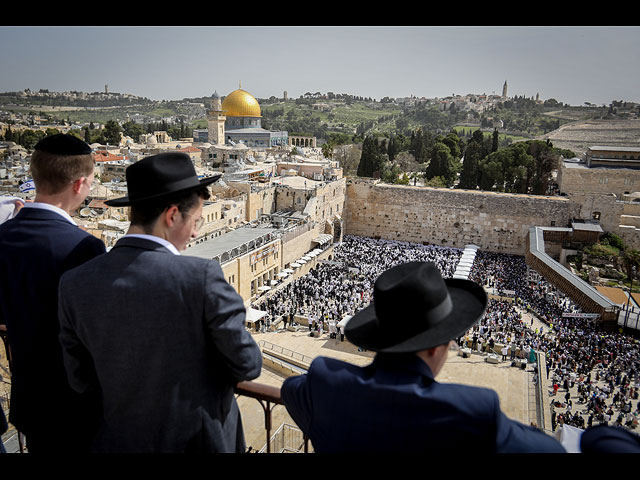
[415, 309]
[159, 176]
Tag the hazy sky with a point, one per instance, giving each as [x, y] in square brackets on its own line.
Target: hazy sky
[571, 64]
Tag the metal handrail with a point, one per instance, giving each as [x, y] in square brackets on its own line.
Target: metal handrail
[267, 394]
[285, 351]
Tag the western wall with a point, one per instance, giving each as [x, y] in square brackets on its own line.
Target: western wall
[496, 222]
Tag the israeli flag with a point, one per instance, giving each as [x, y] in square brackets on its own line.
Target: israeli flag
[27, 186]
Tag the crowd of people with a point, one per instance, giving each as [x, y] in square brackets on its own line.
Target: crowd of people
[592, 375]
[601, 368]
[339, 288]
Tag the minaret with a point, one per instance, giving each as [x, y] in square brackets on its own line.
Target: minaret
[215, 120]
[504, 90]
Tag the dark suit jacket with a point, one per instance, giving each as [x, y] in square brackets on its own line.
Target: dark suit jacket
[164, 337]
[36, 247]
[395, 405]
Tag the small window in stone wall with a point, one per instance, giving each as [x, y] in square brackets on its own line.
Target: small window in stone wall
[595, 215]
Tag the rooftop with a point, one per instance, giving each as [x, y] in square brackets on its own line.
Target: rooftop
[212, 248]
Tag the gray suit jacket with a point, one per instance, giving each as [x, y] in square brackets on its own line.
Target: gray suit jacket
[163, 336]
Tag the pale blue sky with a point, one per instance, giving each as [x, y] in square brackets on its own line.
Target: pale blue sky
[571, 64]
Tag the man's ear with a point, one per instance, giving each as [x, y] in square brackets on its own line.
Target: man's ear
[77, 184]
[170, 215]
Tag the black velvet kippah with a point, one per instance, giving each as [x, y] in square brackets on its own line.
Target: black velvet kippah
[63, 144]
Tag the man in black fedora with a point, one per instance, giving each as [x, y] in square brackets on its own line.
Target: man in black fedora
[394, 404]
[162, 335]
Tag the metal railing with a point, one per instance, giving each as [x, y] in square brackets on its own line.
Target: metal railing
[268, 396]
[299, 357]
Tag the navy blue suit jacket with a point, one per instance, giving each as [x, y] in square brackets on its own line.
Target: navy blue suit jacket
[395, 405]
[166, 350]
[36, 247]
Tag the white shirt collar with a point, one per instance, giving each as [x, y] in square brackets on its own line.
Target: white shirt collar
[153, 238]
[51, 208]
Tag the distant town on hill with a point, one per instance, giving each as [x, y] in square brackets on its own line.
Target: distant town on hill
[339, 117]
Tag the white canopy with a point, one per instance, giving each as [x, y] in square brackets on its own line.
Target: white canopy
[253, 314]
[287, 270]
[283, 274]
[264, 288]
[295, 265]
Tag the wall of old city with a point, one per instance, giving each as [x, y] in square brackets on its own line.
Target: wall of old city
[579, 179]
[495, 222]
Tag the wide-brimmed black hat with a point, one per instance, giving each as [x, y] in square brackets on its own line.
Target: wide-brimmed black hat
[415, 309]
[159, 176]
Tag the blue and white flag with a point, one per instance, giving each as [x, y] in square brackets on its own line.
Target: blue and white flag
[27, 186]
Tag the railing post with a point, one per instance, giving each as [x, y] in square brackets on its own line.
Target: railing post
[269, 395]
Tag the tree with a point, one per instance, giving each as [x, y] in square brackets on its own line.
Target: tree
[491, 173]
[327, 149]
[418, 146]
[112, 132]
[132, 129]
[455, 144]
[371, 160]
[441, 164]
[470, 166]
[545, 161]
[631, 262]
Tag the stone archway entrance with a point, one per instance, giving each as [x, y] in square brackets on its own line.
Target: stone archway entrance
[333, 227]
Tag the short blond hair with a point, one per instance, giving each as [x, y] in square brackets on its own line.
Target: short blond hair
[52, 173]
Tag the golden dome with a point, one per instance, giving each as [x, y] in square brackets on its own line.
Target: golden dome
[240, 104]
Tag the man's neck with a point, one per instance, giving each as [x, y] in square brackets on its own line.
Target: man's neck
[139, 230]
[59, 201]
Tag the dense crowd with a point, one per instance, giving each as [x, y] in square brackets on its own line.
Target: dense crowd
[339, 288]
[592, 375]
[597, 370]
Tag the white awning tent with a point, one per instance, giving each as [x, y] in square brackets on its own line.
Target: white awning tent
[283, 274]
[253, 315]
[295, 265]
[324, 238]
[264, 288]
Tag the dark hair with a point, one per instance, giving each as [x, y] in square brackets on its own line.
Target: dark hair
[145, 214]
[52, 172]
